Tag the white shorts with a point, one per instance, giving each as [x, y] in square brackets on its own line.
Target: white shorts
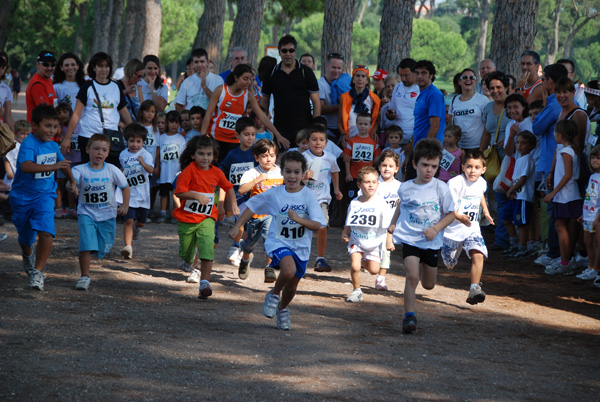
[368, 254]
[589, 227]
[452, 249]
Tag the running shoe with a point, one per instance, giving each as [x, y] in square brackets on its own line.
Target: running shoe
[269, 307]
[283, 319]
[83, 283]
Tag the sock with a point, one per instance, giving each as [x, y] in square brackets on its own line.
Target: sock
[380, 278]
[236, 244]
[320, 258]
[29, 257]
[408, 315]
[564, 263]
[473, 286]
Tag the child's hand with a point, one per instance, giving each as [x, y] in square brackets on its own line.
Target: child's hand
[140, 159]
[235, 210]
[233, 232]
[262, 177]
[308, 175]
[348, 177]
[156, 170]
[580, 219]
[73, 188]
[62, 164]
[339, 195]
[346, 158]
[202, 199]
[122, 210]
[511, 195]
[345, 237]
[548, 198]
[549, 180]
[430, 233]
[389, 245]
[489, 218]
[464, 219]
[293, 216]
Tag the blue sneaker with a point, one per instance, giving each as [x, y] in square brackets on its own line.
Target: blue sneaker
[409, 325]
[322, 266]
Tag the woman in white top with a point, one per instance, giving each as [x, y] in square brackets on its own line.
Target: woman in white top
[152, 86]
[68, 78]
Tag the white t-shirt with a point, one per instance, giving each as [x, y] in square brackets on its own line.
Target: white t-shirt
[97, 190]
[163, 91]
[591, 202]
[137, 178]
[11, 157]
[422, 206]
[525, 166]
[171, 148]
[403, 102]
[368, 222]
[191, 92]
[525, 125]
[66, 92]
[352, 129]
[151, 142]
[468, 116]
[322, 167]
[325, 96]
[400, 152]
[283, 232]
[388, 192]
[570, 192]
[5, 94]
[112, 100]
[467, 200]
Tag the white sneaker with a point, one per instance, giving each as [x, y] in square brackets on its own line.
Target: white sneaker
[36, 280]
[187, 267]
[380, 284]
[355, 296]
[269, 307]
[194, 277]
[283, 319]
[28, 264]
[588, 274]
[235, 255]
[544, 260]
[83, 283]
[127, 252]
[581, 261]
[559, 269]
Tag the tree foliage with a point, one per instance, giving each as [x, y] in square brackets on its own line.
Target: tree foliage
[179, 28]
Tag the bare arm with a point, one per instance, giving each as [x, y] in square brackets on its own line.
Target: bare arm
[485, 140]
[125, 116]
[316, 102]
[329, 109]
[210, 110]
[8, 117]
[31, 167]
[65, 145]
[568, 161]
[9, 173]
[307, 223]
[265, 120]
[231, 202]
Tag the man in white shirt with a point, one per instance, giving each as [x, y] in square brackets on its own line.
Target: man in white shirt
[334, 67]
[404, 97]
[197, 89]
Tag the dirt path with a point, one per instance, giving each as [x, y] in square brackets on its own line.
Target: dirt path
[140, 333]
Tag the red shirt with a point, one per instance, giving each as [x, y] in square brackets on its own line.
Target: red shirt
[40, 90]
[363, 152]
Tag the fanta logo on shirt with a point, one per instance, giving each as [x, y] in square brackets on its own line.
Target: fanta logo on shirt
[464, 112]
[295, 208]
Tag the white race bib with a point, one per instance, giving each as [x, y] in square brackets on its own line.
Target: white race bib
[169, 152]
[46, 159]
[150, 140]
[469, 206]
[363, 217]
[447, 160]
[228, 121]
[287, 229]
[593, 140]
[195, 207]
[362, 152]
[135, 177]
[96, 195]
[237, 170]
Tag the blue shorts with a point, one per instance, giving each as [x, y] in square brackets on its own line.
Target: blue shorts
[30, 217]
[508, 213]
[278, 255]
[137, 214]
[522, 212]
[96, 236]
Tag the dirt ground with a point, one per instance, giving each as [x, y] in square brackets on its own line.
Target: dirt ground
[141, 333]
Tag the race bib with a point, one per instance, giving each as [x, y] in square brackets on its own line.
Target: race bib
[96, 195]
[169, 152]
[150, 140]
[593, 140]
[74, 145]
[392, 200]
[362, 152]
[364, 217]
[228, 121]
[447, 160]
[46, 159]
[469, 206]
[237, 170]
[195, 207]
[135, 177]
[287, 229]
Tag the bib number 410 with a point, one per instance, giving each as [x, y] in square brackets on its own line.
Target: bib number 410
[292, 233]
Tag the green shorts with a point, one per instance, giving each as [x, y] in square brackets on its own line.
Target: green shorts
[200, 235]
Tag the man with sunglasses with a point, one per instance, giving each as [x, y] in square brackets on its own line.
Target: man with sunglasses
[293, 86]
[40, 89]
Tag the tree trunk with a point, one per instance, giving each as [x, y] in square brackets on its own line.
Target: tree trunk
[129, 32]
[573, 31]
[337, 29]
[275, 33]
[101, 22]
[230, 12]
[361, 14]
[420, 9]
[78, 46]
[151, 42]
[431, 9]
[395, 33]
[116, 20]
[513, 33]
[210, 30]
[137, 41]
[246, 28]
[5, 11]
[554, 43]
[483, 7]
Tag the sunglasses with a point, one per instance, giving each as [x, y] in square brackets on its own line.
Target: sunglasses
[335, 56]
[46, 64]
[284, 51]
[360, 66]
[468, 77]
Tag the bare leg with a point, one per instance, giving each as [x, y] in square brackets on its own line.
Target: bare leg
[411, 266]
[355, 262]
[477, 265]
[322, 242]
[590, 244]
[205, 269]
[523, 235]
[287, 281]
[128, 232]
[85, 258]
[43, 249]
[563, 238]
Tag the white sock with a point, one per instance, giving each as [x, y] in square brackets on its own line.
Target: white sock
[473, 286]
[380, 278]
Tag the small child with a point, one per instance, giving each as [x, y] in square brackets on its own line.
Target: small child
[97, 209]
[425, 209]
[196, 115]
[161, 123]
[65, 112]
[394, 135]
[468, 191]
[137, 164]
[450, 164]
[365, 230]
[323, 171]
[147, 118]
[296, 214]
[362, 150]
[256, 181]
[521, 195]
[22, 130]
[170, 147]
[196, 215]
[261, 131]
[237, 162]
[34, 190]
[186, 122]
[565, 196]
[590, 219]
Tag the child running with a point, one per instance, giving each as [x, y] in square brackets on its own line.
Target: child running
[424, 211]
[34, 190]
[450, 164]
[296, 214]
[362, 150]
[137, 164]
[468, 191]
[197, 214]
[97, 209]
[365, 229]
[590, 219]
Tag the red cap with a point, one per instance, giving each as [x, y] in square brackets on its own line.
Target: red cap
[380, 74]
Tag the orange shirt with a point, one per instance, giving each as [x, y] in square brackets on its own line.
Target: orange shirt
[40, 90]
[527, 91]
[229, 109]
[200, 181]
[363, 152]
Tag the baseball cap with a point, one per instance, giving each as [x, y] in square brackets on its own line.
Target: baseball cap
[380, 74]
[46, 55]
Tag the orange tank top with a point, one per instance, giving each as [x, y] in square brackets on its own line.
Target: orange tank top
[229, 109]
[527, 91]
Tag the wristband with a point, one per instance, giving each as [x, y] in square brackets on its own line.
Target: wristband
[392, 232]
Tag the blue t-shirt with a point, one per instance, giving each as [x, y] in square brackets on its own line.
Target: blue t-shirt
[543, 129]
[32, 186]
[430, 103]
[235, 164]
[265, 135]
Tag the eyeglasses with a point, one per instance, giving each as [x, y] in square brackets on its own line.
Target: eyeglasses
[335, 56]
[46, 64]
[468, 77]
[285, 51]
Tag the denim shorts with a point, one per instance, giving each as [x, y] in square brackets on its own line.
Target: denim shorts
[256, 228]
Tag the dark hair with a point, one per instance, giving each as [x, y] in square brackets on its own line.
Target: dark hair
[536, 104]
[59, 74]
[4, 57]
[534, 55]
[468, 69]
[388, 153]
[520, 99]
[364, 171]
[189, 61]
[98, 137]
[263, 145]
[529, 137]
[512, 81]
[564, 84]
[569, 131]
[199, 52]
[197, 110]
[499, 76]
[365, 114]
[428, 65]
[64, 106]
[43, 111]
[184, 111]
[308, 55]
[407, 63]
[394, 129]
[173, 116]
[286, 40]
[294, 156]
[555, 71]
[428, 148]
[567, 61]
[199, 141]
[321, 120]
[96, 59]
[316, 128]
[474, 154]
[135, 130]
[154, 59]
[237, 72]
[454, 130]
[147, 104]
[595, 151]
[455, 83]
[243, 123]
[266, 66]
